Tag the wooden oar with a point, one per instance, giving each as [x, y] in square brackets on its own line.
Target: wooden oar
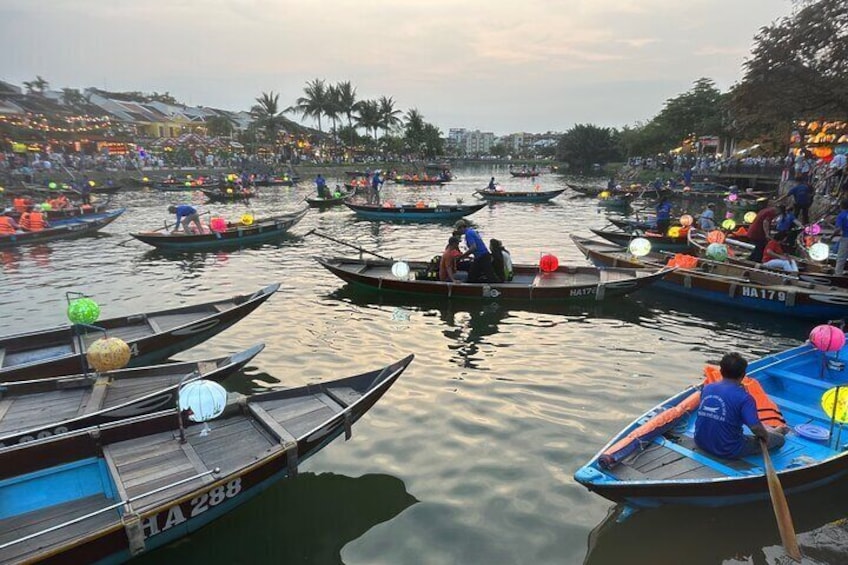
[360, 249]
[781, 508]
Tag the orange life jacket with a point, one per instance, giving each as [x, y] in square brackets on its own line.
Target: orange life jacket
[33, 221]
[6, 226]
[767, 410]
[20, 205]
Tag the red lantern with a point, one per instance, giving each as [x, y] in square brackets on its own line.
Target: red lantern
[716, 236]
[548, 263]
[218, 225]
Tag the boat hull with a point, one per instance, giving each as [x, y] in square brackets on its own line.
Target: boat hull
[498, 196]
[68, 229]
[413, 214]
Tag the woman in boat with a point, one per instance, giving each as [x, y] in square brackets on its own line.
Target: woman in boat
[775, 257]
[447, 266]
[481, 268]
[501, 260]
[725, 406]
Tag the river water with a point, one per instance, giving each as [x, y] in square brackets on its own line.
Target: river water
[469, 457]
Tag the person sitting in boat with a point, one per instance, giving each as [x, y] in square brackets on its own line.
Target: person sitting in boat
[663, 215]
[185, 215]
[775, 257]
[447, 266]
[33, 220]
[501, 260]
[725, 406]
[706, 220]
[481, 267]
[492, 185]
[8, 225]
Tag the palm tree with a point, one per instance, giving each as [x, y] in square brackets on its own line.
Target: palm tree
[267, 115]
[347, 102]
[37, 85]
[314, 101]
[332, 109]
[414, 129]
[72, 97]
[369, 115]
[388, 114]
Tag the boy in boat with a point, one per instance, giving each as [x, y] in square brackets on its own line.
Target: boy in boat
[725, 406]
[481, 268]
[187, 215]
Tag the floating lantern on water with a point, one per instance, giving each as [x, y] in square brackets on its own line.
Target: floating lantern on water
[548, 263]
[827, 338]
[400, 270]
[717, 252]
[108, 354]
[639, 247]
[83, 311]
[819, 251]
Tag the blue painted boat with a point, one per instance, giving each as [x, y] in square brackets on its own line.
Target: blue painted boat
[730, 285]
[412, 213]
[105, 494]
[666, 467]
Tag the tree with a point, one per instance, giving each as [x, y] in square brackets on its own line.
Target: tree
[414, 130]
[499, 150]
[798, 69]
[219, 126]
[332, 107]
[368, 115]
[314, 101]
[37, 85]
[432, 144]
[267, 116]
[389, 116]
[73, 97]
[347, 103]
[586, 144]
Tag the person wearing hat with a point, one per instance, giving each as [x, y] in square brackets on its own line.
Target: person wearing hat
[481, 267]
[707, 218]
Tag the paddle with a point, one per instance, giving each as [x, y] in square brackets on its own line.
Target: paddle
[360, 249]
[781, 508]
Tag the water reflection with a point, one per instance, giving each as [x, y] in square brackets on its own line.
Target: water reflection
[741, 534]
[304, 520]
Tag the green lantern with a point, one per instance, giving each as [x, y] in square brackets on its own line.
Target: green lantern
[83, 311]
[52, 186]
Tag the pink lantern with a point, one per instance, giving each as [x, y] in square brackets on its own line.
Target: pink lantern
[813, 229]
[728, 216]
[733, 197]
[827, 338]
[218, 225]
[548, 263]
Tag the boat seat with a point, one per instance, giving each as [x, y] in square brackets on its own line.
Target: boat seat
[813, 383]
[815, 413]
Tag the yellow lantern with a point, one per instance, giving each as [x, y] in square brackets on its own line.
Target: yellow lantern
[247, 219]
[604, 195]
[749, 217]
[674, 231]
[108, 354]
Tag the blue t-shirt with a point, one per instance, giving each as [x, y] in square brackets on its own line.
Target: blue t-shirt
[376, 181]
[725, 406]
[687, 177]
[842, 223]
[803, 194]
[184, 210]
[320, 182]
[664, 211]
[785, 222]
[473, 240]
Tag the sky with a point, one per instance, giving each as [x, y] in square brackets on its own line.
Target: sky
[495, 65]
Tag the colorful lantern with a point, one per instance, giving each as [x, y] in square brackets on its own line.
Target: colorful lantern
[229, 190]
[604, 195]
[247, 219]
[218, 224]
[91, 183]
[716, 236]
[205, 400]
[749, 217]
[819, 251]
[108, 354]
[686, 220]
[52, 186]
[732, 197]
[145, 179]
[639, 247]
[717, 252]
[401, 270]
[83, 311]
[674, 231]
[834, 402]
[813, 229]
[188, 183]
[827, 338]
[729, 224]
[548, 263]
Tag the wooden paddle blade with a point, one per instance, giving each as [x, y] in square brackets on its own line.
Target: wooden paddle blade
[781, 508]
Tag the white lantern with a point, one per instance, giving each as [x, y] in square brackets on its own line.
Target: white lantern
[819, 251]
[639, 247]
[401, 270]
[205, 399]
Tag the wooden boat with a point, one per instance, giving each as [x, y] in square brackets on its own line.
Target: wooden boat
[356, 186]
[636, 191]
[57, 405]
[152, 337]
[519, 196]
[666, 467]
[221, 195]
[420, 182]
[78, 211]
[413, 213]
[275, 181]
[658, 242]
[106, 494]
[525, 174]
[236, 234]
[812, 272]
[317, 202]
[75, 227]
[355, 174]
[615, 200]
[731, 285]
[185, 186]
[68, 190]
[529, 284]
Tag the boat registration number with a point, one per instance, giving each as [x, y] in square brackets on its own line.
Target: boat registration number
[179, 513]
[764, 293]
[583, 291]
